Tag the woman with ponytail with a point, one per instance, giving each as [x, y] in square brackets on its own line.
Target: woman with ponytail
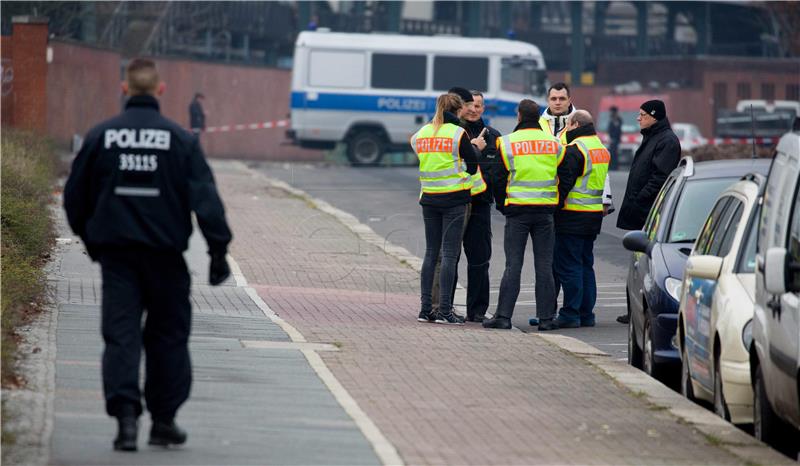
[447, 159]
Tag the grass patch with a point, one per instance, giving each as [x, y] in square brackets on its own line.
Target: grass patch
[29, 169]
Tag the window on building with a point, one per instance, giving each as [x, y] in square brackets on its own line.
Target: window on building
[468, 72]
[793, 92]
[768, 91]
[743, 91]
[350, 65]
[391, 71]
[720, 95]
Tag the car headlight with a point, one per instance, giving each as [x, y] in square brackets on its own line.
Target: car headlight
[673, 287]
[747, 334]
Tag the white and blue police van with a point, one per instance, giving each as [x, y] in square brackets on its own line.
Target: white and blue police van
[373, 91]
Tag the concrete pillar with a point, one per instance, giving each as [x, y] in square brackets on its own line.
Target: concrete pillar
[536, 16]
[29, 59]
[600, 10]
[672, 12]
[88, 22]
[702, 26]
[576, 64]
[394, 13]
[641, 29]
[506, 26]
[246, 47]
[303, 15]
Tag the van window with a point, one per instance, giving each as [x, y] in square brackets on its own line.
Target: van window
[468, 72]
[398, 71]
[336, 69]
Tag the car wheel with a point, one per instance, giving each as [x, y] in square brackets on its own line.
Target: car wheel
[648, 352]
[634, 353]
[720, 406]
[767, 426]
[687, 389]
[365, 148]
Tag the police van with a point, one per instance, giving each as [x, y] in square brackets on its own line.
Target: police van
[373, 91]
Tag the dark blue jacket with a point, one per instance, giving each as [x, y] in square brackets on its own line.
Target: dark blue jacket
[136, 181]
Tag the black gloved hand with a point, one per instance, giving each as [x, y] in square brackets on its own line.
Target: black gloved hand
[219, 271]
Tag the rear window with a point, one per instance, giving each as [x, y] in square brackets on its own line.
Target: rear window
[693, 206]
[398, 71]
[468, 72]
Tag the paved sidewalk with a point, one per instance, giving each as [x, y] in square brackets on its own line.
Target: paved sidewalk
[255, 398]
[445, 395]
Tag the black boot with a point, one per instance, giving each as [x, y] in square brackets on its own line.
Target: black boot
[497, 322]
[165, 433]
[127, 433]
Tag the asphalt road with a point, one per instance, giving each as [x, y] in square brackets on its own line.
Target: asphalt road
[386, 199]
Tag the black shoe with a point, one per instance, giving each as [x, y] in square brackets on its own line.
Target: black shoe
[623, 319]
[449, 319]
[127, 434]
[478, 319]
[497, 322]
[548, 324]
[426, 316]
[166, 433]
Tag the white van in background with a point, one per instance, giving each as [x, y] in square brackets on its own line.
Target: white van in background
[775, 353]
[373, 91]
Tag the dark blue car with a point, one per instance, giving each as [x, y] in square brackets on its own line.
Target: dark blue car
[660, 251]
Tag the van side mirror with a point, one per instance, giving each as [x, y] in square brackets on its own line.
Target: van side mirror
[707, 267]
[775, 276]
[637, 241]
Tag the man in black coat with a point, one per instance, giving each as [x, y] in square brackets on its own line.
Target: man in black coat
[655, 158]
[197, 116]
[130, 196]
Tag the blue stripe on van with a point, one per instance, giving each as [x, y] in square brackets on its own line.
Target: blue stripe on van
[387, 103]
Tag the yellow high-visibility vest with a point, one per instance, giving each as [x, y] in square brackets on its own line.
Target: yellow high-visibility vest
[562, 135]
[531, 157]
[441, 169]
[587, 194]
[478, 183]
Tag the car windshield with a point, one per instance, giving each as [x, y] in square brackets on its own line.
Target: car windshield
[695, 203]
[523, 76]
[747, 262]
[629, 123]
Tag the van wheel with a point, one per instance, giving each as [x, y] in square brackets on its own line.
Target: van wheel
[365, 148]
[767, 426]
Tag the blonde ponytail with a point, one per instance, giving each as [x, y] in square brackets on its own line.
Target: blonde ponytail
[445, 103]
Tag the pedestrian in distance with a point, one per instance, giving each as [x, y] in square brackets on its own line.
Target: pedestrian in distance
[447, 162]
[530, 160]
[197, 115]
[559, 109]
[477, 237]
[581, 182]
[653, 161]
[130, 196]
[614, 131]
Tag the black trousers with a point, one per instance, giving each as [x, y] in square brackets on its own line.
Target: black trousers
[478, 249]
[136, 280]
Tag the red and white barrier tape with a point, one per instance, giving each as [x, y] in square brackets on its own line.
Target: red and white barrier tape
[242, 127]
[636, 139]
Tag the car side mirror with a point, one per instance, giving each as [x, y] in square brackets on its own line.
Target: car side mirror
[775, 276]
[707, 267]
[637, 241]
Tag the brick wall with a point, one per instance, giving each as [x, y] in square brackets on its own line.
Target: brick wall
[28, 59]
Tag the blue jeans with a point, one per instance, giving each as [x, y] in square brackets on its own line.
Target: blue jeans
[574, 270]
[539, 227]
[443, 230]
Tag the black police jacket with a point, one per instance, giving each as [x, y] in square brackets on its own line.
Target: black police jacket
[568, 222]
[488, 157]
[137, 179]
[653, 161]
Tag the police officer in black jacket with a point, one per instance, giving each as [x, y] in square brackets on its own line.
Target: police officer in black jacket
[129, 196]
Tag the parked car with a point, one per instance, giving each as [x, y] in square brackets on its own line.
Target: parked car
[775, 353]
[689, 136]
[659, 255]
[716, 306]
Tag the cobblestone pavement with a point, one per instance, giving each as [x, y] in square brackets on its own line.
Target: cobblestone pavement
[442, 395]
[255, 398]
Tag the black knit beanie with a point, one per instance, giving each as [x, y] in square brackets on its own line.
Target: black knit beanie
[655, 108]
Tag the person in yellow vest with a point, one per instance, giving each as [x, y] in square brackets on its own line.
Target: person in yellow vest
[447, 161]
[582, 178]
[530, 158]
[559, 109]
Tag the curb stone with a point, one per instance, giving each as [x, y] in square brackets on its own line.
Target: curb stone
[722, 433]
